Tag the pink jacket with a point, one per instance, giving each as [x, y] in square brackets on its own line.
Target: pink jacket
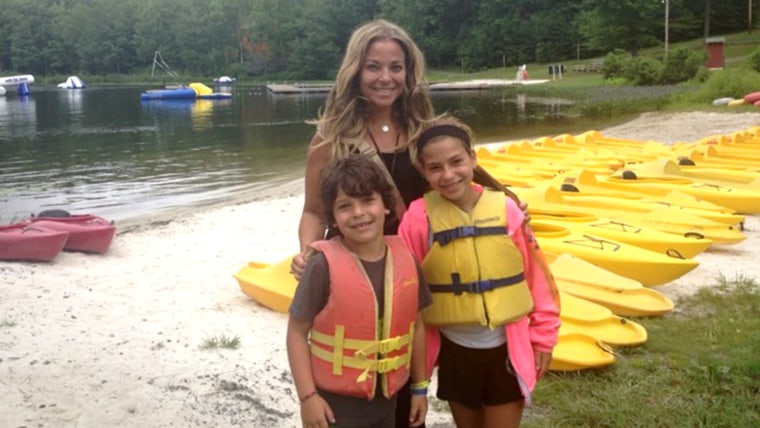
[537, 331]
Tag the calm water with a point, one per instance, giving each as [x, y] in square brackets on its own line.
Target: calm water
[103, 151]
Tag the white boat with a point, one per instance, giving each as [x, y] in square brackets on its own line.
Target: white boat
[73, 82]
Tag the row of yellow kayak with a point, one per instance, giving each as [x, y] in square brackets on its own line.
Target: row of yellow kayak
[614, 217]
[637, 210]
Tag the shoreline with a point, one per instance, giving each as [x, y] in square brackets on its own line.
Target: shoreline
[114, 340]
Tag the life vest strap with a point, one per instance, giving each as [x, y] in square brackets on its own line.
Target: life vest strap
[458, 287]
[363, 348]
[444, 237]
[382, 365]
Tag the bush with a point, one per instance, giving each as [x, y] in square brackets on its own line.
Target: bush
[682, 64]
[643, 71]
[615, 64]
[753, 60]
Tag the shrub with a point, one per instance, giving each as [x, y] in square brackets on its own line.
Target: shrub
[753, 60]
[615, 63]
[643, 71]
[682, 64]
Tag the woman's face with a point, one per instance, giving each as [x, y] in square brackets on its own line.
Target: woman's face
[383, 73]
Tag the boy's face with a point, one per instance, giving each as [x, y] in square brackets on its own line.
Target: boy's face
[359, 219]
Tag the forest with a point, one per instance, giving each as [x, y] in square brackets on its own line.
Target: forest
[305, 39]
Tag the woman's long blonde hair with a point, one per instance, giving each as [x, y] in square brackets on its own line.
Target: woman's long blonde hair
[342, 121]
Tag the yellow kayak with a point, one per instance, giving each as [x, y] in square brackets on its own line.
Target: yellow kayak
[651, 239]
[715, 176]
[569, 268]
[581, 316]
[271, 285]
[639, 302]
[577, 351]
[585, 182]
[662, 218]
[740, 200]
[645, 266]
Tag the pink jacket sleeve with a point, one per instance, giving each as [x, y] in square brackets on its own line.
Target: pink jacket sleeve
[544, 320]
[414, 229]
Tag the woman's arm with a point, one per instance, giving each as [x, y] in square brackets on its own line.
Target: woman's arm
[312, 224]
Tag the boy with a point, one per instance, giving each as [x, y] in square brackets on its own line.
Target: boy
[355, 330]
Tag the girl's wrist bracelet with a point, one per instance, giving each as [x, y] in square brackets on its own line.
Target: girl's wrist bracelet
[307, 396]
[421, 384]
[419, 391]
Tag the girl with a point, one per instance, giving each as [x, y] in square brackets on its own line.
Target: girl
[495, 313]
[355, 328]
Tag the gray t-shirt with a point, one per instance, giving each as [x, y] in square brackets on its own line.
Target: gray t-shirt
[311, 297]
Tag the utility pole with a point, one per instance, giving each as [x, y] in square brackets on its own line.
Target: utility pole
[667, 24]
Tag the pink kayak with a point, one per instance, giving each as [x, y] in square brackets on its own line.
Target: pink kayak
[88, 233]
[22, 241]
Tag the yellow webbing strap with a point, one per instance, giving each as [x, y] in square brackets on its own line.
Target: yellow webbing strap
[362, 347]
[383, 365]
[409, 349]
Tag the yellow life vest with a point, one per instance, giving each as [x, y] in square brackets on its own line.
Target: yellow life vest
[473, 268]
[350, 342]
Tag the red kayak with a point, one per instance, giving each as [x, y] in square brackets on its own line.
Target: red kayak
[22, 241]
[87, 233]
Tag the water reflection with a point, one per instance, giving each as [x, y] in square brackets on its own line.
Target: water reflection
[18, 116]
[103, 150]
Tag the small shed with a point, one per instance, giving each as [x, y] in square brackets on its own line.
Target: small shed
[714, 46]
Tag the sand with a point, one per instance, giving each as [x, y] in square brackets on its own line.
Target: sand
[114, 340]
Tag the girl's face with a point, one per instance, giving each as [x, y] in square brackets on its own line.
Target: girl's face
[359, 219]
[449, 167]
[383, 73]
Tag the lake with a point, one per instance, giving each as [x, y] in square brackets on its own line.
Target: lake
[103, 151]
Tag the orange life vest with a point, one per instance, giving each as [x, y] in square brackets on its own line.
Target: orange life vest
[351, 343]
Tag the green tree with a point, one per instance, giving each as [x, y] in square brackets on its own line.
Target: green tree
[30, 35]
[625, 24]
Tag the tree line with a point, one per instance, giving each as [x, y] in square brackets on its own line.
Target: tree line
[305, 39]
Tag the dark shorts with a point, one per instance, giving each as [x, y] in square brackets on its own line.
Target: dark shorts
[476, 377]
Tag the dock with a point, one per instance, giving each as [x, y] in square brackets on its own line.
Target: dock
[467, 85]
[299, 88]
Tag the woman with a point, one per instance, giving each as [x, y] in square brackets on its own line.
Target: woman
[378, 105]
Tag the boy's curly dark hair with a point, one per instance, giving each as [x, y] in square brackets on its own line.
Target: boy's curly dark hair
[357, 176]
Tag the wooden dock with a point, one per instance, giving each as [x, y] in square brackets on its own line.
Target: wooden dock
[299, 88]
[467, 85]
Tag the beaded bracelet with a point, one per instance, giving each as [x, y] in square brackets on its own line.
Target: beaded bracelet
[307, 396]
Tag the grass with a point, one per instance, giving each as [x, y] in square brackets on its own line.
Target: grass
[221, 341]
[700, 368]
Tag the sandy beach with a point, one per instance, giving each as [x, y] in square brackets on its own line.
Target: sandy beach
[113, 340]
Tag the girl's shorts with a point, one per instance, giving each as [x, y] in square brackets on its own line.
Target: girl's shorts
[476, 377]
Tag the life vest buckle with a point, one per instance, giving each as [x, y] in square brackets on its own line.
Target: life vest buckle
[384, 346]
[385, 365]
